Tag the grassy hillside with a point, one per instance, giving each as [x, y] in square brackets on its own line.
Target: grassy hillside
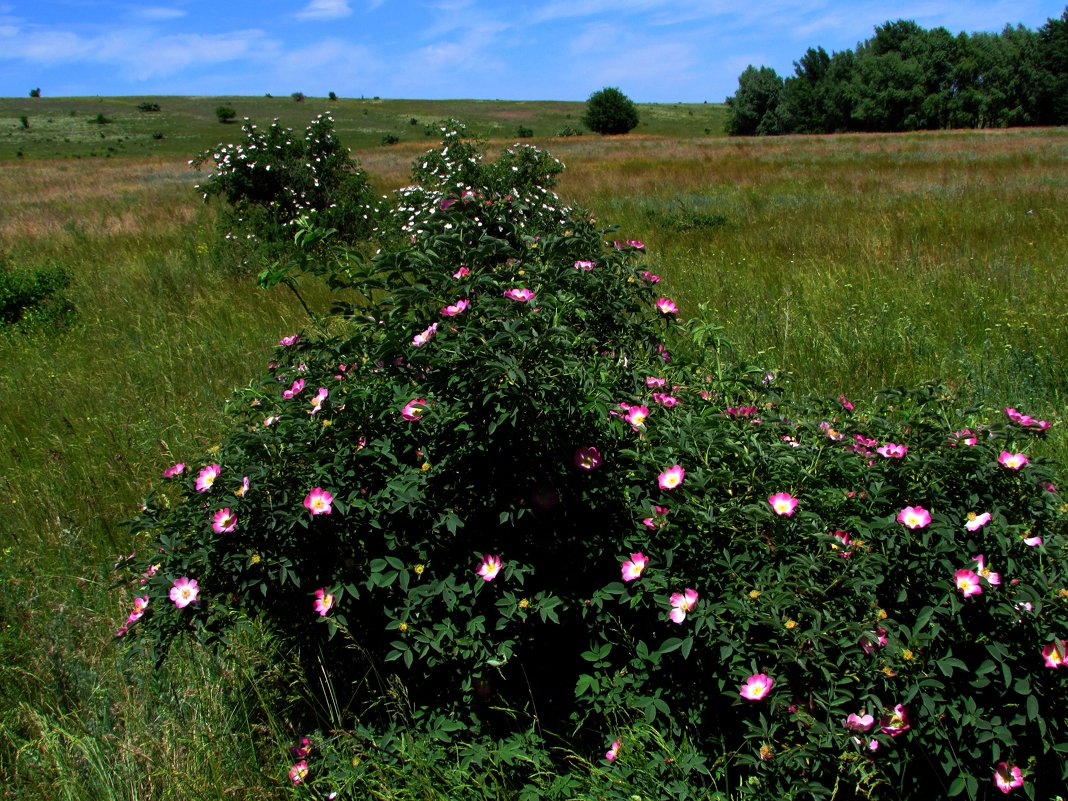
[70, 127]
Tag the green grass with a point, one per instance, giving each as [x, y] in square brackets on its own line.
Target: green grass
[66, 127]
[850, 262]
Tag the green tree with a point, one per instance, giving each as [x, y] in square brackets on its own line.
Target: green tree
[609, 111]
[225, 113]
[755, 107]
[804, 94]
[1052, 80]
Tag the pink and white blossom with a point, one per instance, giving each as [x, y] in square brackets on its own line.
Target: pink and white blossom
[317, 401]
[294, 389]
[613, 751]
[456, 308]
[893, 451]
[224, 521]
[859, 723]
[984, 570]
[1013, 461]
[489, 567]
[967, 582]
[324, 601]
[976, 522]
[184, 591]
[756, 687]
[914, 517]
[681, 603]
[1007, 777]
[666, 306]
[896, 722]
[425, 335]
[414, 409]
[520, 295]
[671, 477]
[206, 477]
[319, 502]
[636, 416]
[174, 470]
[783, 503]
[1055, 654]
[633, 567]
[298, 772]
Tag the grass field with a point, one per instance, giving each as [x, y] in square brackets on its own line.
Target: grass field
[68, 127]
[847, 262]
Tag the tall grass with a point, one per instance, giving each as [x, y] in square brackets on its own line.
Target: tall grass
[850, 262]
[858, 262]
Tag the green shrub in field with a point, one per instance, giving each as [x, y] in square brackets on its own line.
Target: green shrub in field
[517, 489]
[609, 111]
[32, 297]
[225, 114]
[274, 176]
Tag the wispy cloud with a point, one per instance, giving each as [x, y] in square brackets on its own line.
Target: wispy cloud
[157, 13]
[125, 48]
[325, 10]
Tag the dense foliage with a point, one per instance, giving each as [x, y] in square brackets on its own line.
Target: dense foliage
[33, 296]
[908, 78]
[274, 176]
[508, 490]
[609, 111]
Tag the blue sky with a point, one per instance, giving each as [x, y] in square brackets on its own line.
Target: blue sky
[654, 50]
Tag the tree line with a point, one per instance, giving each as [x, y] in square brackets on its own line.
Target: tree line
[907, 78]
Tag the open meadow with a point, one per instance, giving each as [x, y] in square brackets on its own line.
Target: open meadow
[845, 263]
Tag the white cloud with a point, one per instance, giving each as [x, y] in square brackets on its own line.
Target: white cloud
[158, 13]
[325, 10]
[126, 48]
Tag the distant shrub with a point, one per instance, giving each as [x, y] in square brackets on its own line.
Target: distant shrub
[609, 111]
[35, 93]
[157, 135]
[33, 297]
[332, 96]
[523, 132]
[298, 97]
[568, 130]
[390, 139]
[100, 119]
[24, 121]
[147, 106]
[225, 114]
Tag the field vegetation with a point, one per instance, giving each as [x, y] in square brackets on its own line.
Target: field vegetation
[848, 263]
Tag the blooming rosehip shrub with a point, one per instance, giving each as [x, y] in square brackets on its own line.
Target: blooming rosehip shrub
[514, 476]
[275, 176]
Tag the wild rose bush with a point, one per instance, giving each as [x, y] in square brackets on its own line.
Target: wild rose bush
[517, 483]
[275, 176]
